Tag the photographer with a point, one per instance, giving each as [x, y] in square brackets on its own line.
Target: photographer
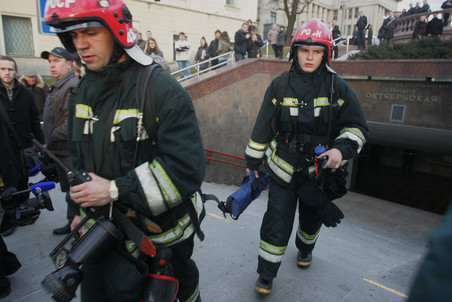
[128, 169]
[9, 176]
[21, 117]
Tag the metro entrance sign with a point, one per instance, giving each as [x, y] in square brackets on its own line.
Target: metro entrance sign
[44, 28]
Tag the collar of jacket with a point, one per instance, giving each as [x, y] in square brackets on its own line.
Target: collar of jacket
[61, 81]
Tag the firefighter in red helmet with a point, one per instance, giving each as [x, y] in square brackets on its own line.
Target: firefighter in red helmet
[308, 115]
[111, 136]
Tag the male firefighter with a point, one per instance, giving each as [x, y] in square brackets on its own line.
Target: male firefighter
[286, 132]
[106, 130]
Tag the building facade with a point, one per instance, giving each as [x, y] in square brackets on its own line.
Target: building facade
[344, 11]
[23, 35]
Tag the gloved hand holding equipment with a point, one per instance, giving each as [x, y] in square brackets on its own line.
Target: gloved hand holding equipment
[251, 188]
[332, 182]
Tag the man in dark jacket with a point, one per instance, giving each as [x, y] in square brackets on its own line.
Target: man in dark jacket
[9, 174]
[111, 137]
[282, 37]
[435, 26]
[55, 119]
[213, 46]
[446, 4]
[255, 43]
[19, 104]
[336, 34]
[241, 42]
[362, 24]
[388, 27]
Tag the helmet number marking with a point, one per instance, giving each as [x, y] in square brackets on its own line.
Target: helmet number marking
[131, 35]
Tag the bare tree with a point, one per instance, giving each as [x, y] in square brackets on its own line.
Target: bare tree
[292, 8]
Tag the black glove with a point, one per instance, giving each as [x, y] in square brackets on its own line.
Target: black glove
[330, 214]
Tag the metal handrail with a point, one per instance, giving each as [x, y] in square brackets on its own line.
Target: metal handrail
[341, 40]
[198, 72]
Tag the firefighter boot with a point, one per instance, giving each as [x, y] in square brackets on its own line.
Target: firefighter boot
[263, 286]
[304, 260]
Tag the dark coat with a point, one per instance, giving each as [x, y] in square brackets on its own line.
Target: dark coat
[55, 114]
[240, 42]
[23, 113]
[387, 29]
[9, 165]
[435, 27]
[254, 46]
[362, 23]
[282, 37]
[420, 29]
[212, 49]
[201, 55]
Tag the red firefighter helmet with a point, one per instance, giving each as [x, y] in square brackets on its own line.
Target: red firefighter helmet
[314, 32]
[66, 15]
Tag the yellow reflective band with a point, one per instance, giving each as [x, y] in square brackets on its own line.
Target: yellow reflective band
[169, 190]
[83, 111]
[306, 238]
[277, 250]
[290, 102]
[195, 295]
[180, 232]
[311, 170]
[253, 153]
[320, 102]
[353, 134]
[151, 189]
[281, 168]
[271, 253]
[340, 102]
[257, 146]
[122, 114]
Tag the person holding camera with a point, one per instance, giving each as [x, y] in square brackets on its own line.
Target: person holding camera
[299, 112]
[9, 176]
[155, 178]
[21, 115]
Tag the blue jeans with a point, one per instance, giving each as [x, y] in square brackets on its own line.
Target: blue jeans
[239, 57]
[184, 64]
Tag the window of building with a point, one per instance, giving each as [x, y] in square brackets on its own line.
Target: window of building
[349, 30]
[272, 17]
[18, 35]
[356, 12]
[350, 13]
[335, 14]
[230, 2]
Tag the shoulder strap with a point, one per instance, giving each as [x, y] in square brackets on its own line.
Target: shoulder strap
[146, 98]
[280, 90]
[333, 100]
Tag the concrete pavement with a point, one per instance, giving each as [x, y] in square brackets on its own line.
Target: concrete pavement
[371, 256]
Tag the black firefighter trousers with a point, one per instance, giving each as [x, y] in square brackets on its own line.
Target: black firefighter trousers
[278, 221]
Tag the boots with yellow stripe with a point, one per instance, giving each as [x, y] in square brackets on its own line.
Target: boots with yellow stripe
[263, 286]
[304, 260]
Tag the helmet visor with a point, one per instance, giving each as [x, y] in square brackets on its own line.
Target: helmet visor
[77, 26]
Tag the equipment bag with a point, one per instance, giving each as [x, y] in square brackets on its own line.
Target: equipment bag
[250, 190]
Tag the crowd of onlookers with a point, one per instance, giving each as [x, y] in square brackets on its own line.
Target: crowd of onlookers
[247, 43]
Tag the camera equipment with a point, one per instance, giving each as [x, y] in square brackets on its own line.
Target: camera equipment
[28, 211]
[74, 177]
[62, 283]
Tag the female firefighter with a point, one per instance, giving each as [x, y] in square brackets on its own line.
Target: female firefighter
[302, 109]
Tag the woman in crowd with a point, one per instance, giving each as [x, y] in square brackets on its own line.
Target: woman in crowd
[153, 49]
[201, 54]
